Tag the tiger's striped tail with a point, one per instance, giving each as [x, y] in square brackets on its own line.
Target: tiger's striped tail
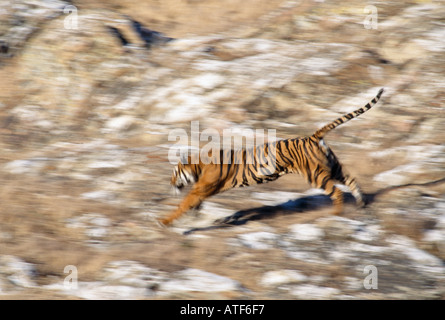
[319, 134]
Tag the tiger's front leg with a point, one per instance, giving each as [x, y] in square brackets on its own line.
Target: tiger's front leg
[192, 200]
[196, 196]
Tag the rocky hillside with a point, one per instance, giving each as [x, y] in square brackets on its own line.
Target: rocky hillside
[91, 93]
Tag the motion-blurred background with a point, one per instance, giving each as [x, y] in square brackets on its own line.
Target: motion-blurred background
[90, 90]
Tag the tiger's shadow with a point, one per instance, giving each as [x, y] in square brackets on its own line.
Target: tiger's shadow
[309, 203]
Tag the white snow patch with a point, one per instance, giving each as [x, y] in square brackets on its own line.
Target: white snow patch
[258, 240]
[280, 277]
[309, 291]
[198, 280]
[306, 232]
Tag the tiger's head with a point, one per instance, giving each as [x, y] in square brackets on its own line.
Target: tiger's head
[183, 174]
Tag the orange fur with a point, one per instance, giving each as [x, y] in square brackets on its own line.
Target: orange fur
[308, 156]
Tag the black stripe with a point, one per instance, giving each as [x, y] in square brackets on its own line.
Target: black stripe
[324, 181]
[316, 172]
[281, 154]
[245, 182]
[279, 167]
[255, 154]
[298, 154]
[253, 175]
[235, 175]
[308, 172]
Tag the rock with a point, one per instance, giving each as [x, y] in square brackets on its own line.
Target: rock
[401, 53]
[417, 255]
[22, 19]
[435, 240]
[85, 120]
[17, 272]
[34, 116]
[311, 292]
[31, 166]
[109, 164]
[338, 227]
[132, 273]
[208, 81]
[120, 124]
[150, 37]
[199, 281]
[126, 279]
[309, 256]
[260, 240]
[342, 228]
[99, 195]
[306, 232]
[89, 57]
[97, 290]
[420, 158]
[96, 225]
[123, 279]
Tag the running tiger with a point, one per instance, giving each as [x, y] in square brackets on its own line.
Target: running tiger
[308, 156]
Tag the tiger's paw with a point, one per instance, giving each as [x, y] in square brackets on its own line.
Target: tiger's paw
[363, 202]
[163, 223]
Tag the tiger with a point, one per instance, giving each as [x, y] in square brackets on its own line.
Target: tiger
[308, 156]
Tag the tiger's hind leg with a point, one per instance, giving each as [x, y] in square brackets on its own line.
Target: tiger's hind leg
[340, 175]
[335, 194]
[328, 185]
[350, 182]
[355, 190]
[322, 177]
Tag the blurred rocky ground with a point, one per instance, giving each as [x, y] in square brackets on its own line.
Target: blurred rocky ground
[87, 104]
